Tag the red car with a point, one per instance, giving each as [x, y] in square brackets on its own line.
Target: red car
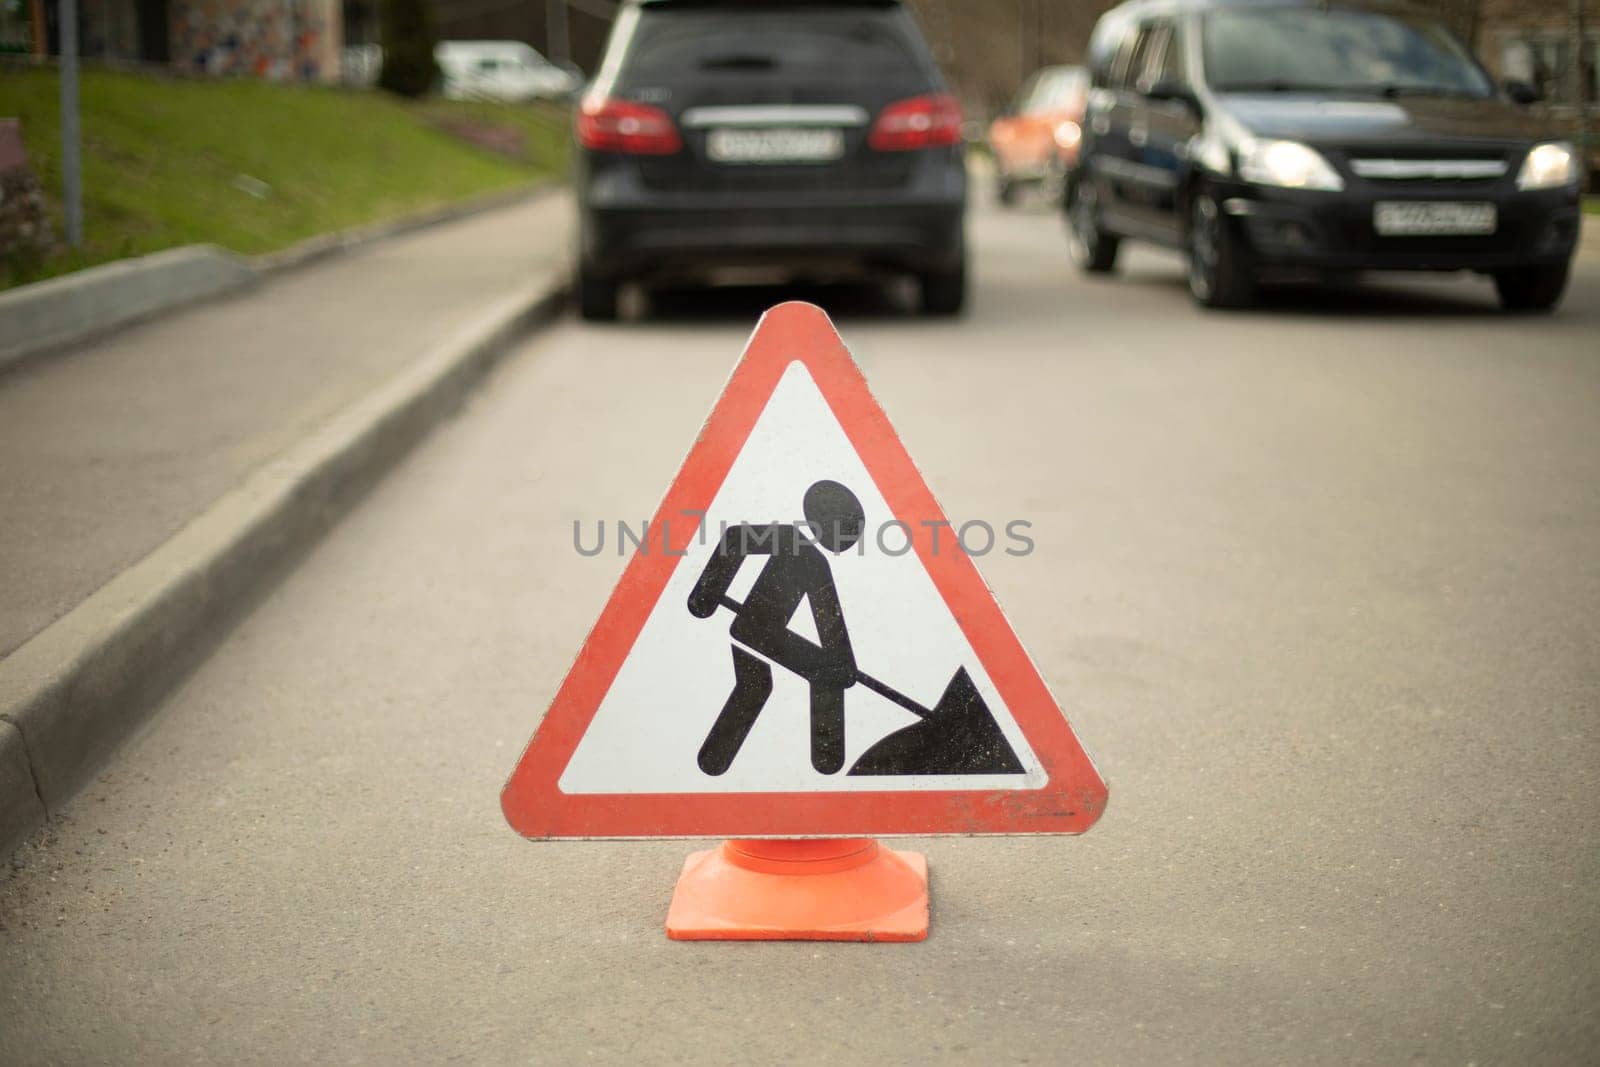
[1036, 140]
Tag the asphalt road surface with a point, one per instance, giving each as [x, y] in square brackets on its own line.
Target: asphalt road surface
[1319, 587]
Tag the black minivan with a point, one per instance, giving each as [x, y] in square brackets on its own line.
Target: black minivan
[813, 136]
[1285, 138]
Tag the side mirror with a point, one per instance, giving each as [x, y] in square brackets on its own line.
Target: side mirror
[1521, 92]
[1175, 91]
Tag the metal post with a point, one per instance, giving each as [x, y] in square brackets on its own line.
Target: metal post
[71, 161]
[41, 32]
[1038, 34]
[1022, 42]
[1579, 85]
[556, 31]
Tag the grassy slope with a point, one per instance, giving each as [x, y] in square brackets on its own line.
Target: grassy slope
[162, 159]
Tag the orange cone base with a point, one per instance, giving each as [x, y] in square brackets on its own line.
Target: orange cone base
[838, 889]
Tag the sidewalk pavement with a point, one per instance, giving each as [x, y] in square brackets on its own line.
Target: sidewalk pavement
[108, 449]
[153, 482]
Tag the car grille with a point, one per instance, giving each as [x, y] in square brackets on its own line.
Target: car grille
[1431, 170]
[1440, 168]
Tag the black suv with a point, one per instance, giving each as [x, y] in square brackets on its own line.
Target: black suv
[803, 135]
[1279, 138]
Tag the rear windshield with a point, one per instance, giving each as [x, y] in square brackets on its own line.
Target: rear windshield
[1333, 50]
[841, 43]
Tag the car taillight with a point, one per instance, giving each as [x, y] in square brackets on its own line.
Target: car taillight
[920, 122]
[623, 126]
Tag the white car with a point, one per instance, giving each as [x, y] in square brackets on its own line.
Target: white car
[500, 70]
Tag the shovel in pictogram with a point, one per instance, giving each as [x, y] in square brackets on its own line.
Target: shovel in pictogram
[958, 735]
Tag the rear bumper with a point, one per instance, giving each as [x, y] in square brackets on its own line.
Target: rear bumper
[628, 229]
[921, 237]
[1334, 231]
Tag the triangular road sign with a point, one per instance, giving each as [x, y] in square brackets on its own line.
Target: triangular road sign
[801, 648]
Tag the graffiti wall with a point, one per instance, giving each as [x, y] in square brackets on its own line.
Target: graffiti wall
[282, 40]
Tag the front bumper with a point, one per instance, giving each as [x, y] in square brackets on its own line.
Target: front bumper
[1293, 228]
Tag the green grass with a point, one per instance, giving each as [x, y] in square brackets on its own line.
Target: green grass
[164, 160]
[1591, 204]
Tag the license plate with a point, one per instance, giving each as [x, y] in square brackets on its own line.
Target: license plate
[1433, 218]
[780, 145]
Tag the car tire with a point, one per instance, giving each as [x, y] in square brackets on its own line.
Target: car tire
[1005, 191]
[1053, 186]
[597, 297]
[1093, 249]
[1219, 265]
[944, 292]
[1532, 288]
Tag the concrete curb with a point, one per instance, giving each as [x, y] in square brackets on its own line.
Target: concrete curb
[332, 244]
[20, 807]
[59, 312]
[76, 690]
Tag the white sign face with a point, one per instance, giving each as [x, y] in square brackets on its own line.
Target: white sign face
[702, 706]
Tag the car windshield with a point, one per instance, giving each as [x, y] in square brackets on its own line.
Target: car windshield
[1334, 50]
[1055, 89]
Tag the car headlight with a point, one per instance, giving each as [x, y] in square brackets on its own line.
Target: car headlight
[1067, 135]
[1549, 165]
[1289, 164]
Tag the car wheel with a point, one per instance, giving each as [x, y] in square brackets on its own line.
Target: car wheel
[1005, 191]
[944, 292]
[597, 297]
[1219, 270]
[1093, 249]
[1054, 184]
[1532, 288]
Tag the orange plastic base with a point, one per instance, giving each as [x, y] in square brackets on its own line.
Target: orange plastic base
[837, 889]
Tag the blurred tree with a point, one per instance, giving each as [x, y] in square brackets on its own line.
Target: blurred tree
[1465, 17]
[408, 37]
[988, 50]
